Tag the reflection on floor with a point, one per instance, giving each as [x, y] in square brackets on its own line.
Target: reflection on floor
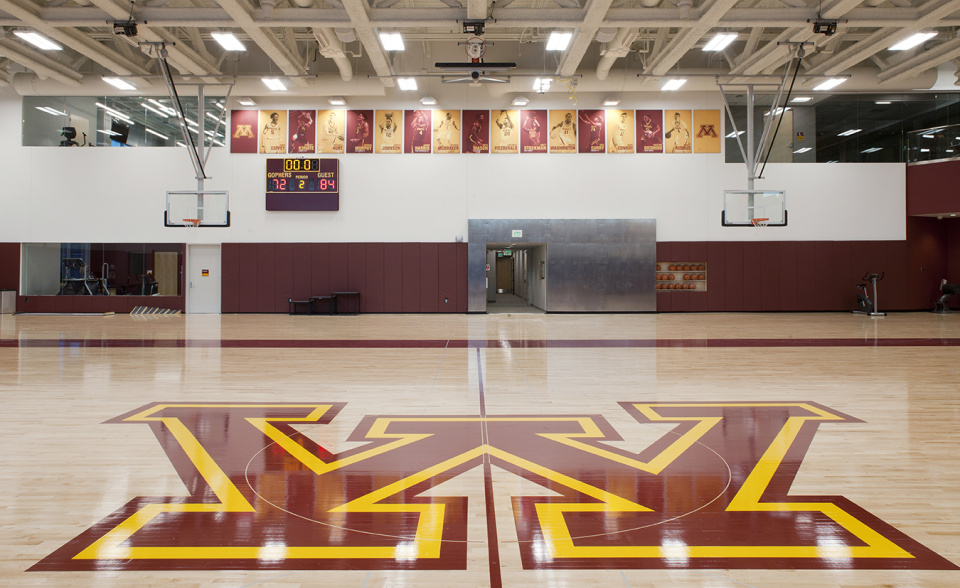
[511, 304]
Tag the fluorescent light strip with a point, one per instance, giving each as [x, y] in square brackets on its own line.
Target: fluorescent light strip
[153, 132]
[337, 101]
[154, 110]
[119, 84]
[849, 132]
[38, 40]
[872, 150]
[218, 105]
[912, 41]
[802, 99]
[392, 41]
[929, 136]
[49, 110]
[228, 41]
[520, 101]
[428, 101]
[611, 102]
[881, 102]
[829, 84]
[803, 150]
[213, 116]
[407, 84]
[673, 84]
[559, 40]
[108, 132]
[733, 134]
[274, 84]
[924, 151]
[720, 41]
[115, 113]
[163, 107]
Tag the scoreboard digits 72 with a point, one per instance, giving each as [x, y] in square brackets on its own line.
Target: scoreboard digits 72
[303, 175]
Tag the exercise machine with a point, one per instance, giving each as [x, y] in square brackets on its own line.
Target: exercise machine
[865, 304]
[946, 291]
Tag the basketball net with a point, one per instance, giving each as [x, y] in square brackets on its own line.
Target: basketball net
[760, 222]
[193, 228]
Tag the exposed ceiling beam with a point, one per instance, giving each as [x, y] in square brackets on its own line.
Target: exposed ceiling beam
[687, 38]
[476, 9]
[357, 11]
[921, 62]
[265, 39]
[584, 35]
[42, 65]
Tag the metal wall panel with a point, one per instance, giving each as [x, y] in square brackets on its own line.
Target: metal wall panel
[594, 265]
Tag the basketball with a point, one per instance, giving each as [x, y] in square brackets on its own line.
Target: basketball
[686, 276]
[658, 267]
[701, 277]
[672, 267]
[672, 277]
[700, 267]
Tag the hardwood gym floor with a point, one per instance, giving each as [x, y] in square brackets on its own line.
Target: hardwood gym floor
[480, 450]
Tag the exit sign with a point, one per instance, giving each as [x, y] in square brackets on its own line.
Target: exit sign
[517, 234]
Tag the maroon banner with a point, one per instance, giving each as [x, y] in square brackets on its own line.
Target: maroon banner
[416, 138]
[243, 137]
[476, 131]
[649, 131]
[359, 137]
[590, 131]
[533, 137]
[303, 131]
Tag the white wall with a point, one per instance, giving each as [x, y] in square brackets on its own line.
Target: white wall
[83, 194]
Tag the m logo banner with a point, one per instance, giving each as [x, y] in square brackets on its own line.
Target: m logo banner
[711, 492]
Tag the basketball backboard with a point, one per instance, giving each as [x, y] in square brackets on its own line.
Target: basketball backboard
[742, 207]
[212, 208]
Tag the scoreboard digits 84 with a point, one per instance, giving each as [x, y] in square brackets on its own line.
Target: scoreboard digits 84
[302, 175]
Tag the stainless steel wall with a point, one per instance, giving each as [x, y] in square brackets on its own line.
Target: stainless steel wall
[593, 265]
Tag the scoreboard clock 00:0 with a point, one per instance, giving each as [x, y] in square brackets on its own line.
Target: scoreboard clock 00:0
[303, 184]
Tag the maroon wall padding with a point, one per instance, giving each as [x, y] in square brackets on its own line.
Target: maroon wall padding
[10, 266]
[785, 276]
[952, 227]
[932, 188]
[391, 277]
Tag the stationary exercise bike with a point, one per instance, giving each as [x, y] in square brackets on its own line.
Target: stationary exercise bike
[946, 291]
[866, 305]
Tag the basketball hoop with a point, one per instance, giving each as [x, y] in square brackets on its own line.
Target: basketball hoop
[195, 222]
[760, 222]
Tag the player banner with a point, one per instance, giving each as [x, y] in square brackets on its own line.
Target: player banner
[243, 137]
[358, 137]
[273, 132]
[708, 131]
[649, 131]
[303, 131]
[446, 131]
[505, 132]
[532, 136]
[620, 131]
[591, 123]
[677, 136]
[389, 131]
[476, 131]
[330, 126]
[563, 131]
[416, 139]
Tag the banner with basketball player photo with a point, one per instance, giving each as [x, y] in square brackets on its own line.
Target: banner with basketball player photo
[505, 131]
[446, 131]
[649, 131]
[563, 131]
[358, 137]
[330, 127]
[476, 131]
[706, 137]
[416, 136]
[243, 136]
[389, 131]
[273, 131]
[533, 136]
[620, 131]
[303, 131]
[591, 139]
[677, 138]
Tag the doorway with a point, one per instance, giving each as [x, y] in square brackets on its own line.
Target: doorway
[508, 279]
[203, 279]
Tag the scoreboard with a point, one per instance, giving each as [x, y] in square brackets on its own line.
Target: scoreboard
[303, 184]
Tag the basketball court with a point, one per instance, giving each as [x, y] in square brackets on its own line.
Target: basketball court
[807, 449]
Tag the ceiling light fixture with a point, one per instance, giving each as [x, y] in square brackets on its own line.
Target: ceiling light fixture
[228, 41]
[611, 102]
[119, 83]
[803, 149]
[882, 102]
[154, 110]
[246, 101]
[115, 113]
[52, 111]
[559, 40]
[912, 41]
[829, 84]
[673, 84]
[872, 150]
[153, 132]
[849, 132]
[407, 84]
[733, 134]
[337, 101]
[38, 40]
[541, 85]
[520, 101]
[274, 84]
[392, 41]
[428, 101]
[802, 99]
[720, 41]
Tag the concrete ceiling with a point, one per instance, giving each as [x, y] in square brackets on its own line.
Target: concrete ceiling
[332, 47]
